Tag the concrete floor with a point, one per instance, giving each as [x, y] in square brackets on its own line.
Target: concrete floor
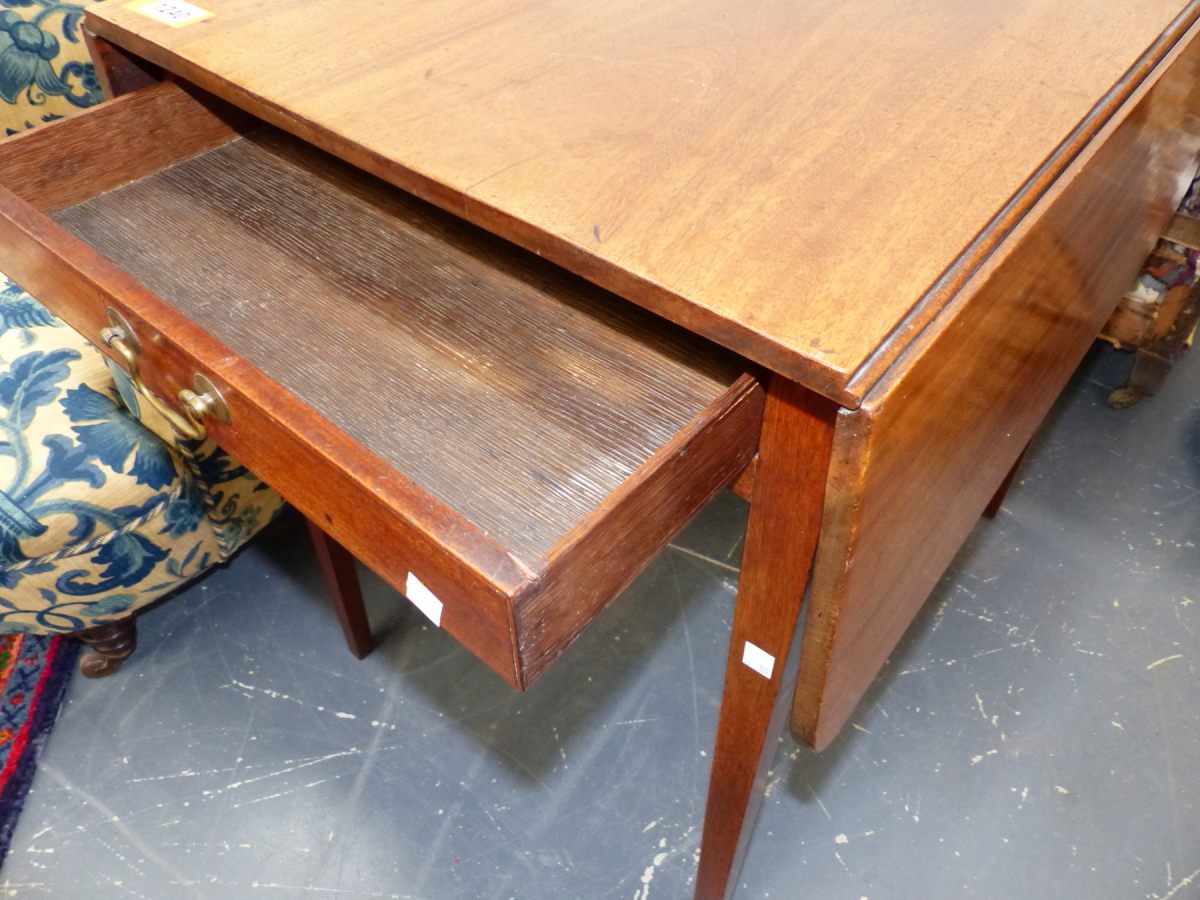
[1036, 735]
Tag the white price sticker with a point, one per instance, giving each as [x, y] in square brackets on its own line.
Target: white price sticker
[175, 13]
[758, 659]
[423, 599]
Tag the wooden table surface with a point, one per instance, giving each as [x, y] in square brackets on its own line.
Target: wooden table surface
[788, 178]
[915, 215]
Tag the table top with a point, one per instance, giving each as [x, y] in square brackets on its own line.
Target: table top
[788, 177]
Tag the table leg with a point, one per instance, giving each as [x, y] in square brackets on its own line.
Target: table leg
[341, 581]
[993, 507]
[119, 71]
[781, 537]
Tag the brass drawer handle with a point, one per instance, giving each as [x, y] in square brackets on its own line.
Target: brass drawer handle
[199, 404]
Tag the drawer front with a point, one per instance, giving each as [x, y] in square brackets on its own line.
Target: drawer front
[334, 481]
[440, 403]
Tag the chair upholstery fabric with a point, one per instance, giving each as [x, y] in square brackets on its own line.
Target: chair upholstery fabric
[45, 70]
[103, 508]
[99, 515]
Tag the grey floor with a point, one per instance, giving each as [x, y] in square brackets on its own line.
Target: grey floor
[1035, 736]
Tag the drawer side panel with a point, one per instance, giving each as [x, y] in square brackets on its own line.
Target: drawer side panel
[595, 562]
[99, 149]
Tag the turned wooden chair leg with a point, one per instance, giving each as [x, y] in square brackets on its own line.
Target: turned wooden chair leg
[341, 581]
[781, 537]
[109, 646]
[993, 507]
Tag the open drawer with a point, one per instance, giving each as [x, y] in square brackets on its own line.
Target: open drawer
[447, 406]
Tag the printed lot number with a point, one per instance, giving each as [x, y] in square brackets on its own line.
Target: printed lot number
[175, 13]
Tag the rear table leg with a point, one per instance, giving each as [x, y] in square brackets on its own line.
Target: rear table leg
[993, 507]
[781, 537]
[341, 581]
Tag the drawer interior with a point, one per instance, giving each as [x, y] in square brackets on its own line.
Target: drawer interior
[516, 397]
[528, 415]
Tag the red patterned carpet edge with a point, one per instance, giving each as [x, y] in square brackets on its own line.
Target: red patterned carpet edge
[34, 672]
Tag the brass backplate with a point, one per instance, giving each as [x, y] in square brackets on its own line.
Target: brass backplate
[205, 388]
[127, 334]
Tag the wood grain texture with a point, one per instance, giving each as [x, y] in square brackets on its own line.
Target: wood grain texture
[709, 160]
[391, 525]
[591, 564]
[173, 123]
[519, 396]
[340, 576]
[118, 72]
[743, 485]
[379, 313]
[1184, 229]
[914, 467]
[781, 535]
[1014, 212]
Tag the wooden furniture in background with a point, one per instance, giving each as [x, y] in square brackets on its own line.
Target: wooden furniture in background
[914, 218]
[1160, 331]
[340, 577]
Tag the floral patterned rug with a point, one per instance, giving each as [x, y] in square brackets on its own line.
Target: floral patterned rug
[34, 672]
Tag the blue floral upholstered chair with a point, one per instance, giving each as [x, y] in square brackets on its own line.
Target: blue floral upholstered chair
[104, 507]
[45, 71]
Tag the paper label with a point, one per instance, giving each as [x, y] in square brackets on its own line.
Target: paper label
[758, 659]
[423, 599]
[175, 13]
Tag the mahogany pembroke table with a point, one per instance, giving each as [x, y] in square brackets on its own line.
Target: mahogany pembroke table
[500, 293]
